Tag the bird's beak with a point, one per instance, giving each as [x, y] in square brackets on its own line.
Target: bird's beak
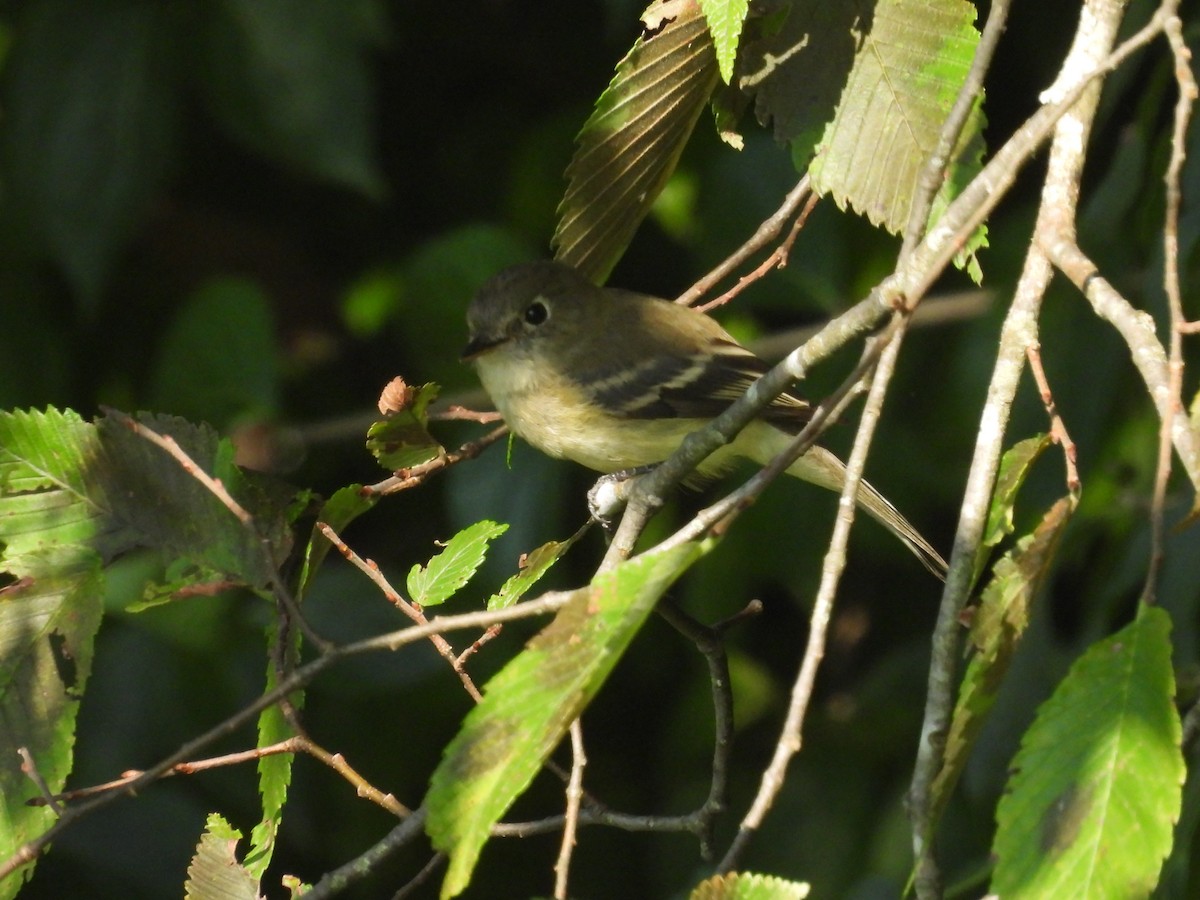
[478, 345]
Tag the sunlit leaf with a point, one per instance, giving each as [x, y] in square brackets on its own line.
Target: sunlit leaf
[632, 141]
[1098, 780]
[534, 565]
[725, 19]
[449, 570]
[530, 704]
[860, 92]
[214, 872]
[748, 886]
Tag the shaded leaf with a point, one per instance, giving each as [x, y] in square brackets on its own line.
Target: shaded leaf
[290, 80]
[89, 128]
[346, 505]
[48, 624]
[168, 508]
[630, 144]
[402, 440]
[865, 87]
[449, 570]
[218, 360]
[214, 872]
[996, 632]
[1014, 466]
[798, 69]
[1098, 779]
[529, 705]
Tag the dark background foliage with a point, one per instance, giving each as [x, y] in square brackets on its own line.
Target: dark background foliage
[255, 214]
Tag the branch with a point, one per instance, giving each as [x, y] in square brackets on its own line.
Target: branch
[1077, 92]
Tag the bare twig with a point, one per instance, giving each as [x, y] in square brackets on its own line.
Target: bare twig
[1186, 83]
[547, 603]
[421, 877]
[1071, 101]
[337, 881]
[410, 478]
[30, 770]
[709, 641]
[562, 868]
[768, 231]
[1058, 428]
[369, 568]
[776, 260]
[789, 742]
[934, 173]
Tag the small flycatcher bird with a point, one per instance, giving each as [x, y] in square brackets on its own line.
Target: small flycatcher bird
[616, 380]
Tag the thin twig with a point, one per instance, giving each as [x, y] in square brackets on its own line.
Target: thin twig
[562, 868]
[337, 881]
[934, 173]
[391, 641]
[369, 568]
[214, 485]
[404, 479]
[768, 231]
[1058, 428]
[421, 877]
[1069, 107]
[30, 770]
[790, 734]
[710, 642]
[1186, 84]
[776, 260]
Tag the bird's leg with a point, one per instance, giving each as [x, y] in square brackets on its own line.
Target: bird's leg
[608, 495]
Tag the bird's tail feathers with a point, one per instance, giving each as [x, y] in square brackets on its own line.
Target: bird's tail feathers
[819, 466]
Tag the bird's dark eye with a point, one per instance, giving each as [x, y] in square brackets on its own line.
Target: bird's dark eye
[536, 313]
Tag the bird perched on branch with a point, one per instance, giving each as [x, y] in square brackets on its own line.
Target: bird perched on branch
[616, 380]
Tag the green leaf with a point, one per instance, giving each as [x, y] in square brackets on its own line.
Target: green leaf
[275, 770]
[906, 76]
[996, 631]
[725, 19]
[532, 567]
[183, 579]
[402, 440]
[346, 505]
[54, 512]
[452, 568]
[48, 624]
[860, 92]
[290, 80]
[529, 705]
[1014, 466]
[1098, 779]
[632, 141]
[214, 872]
[748, 886]
[219, 360]
[89, 128]
[166, 507]
[798, 69]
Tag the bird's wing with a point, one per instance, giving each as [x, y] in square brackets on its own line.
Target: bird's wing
[696, 386]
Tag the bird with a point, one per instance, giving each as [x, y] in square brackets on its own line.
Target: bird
[615, 380]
